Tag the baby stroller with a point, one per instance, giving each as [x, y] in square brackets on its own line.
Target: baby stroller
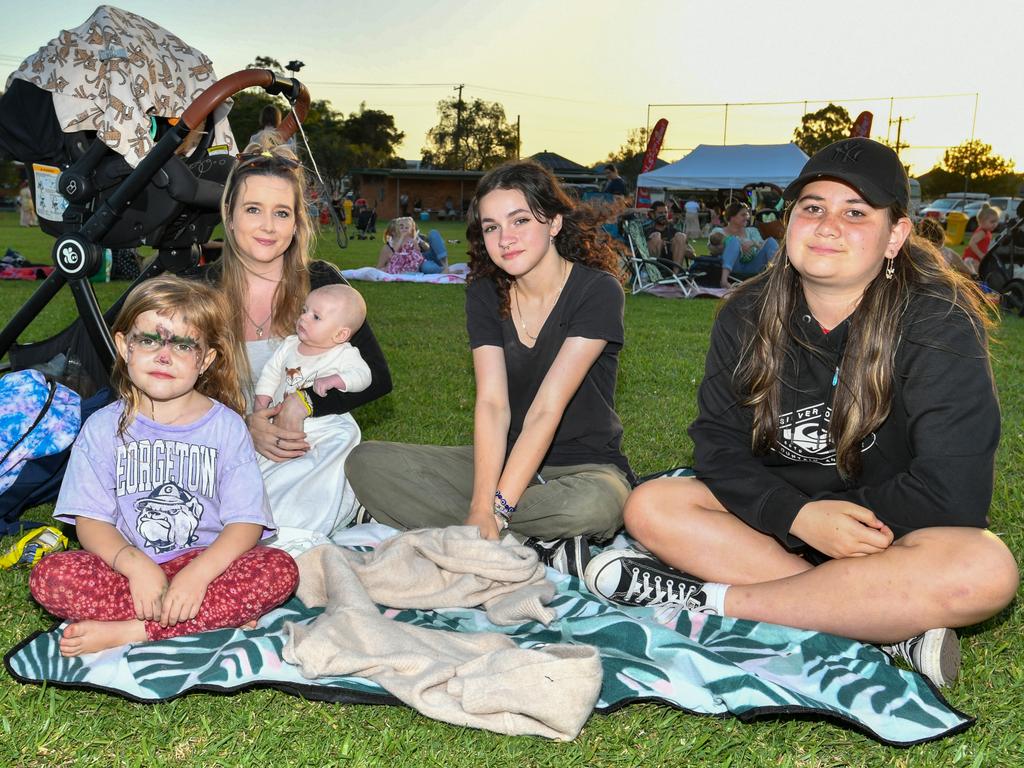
[1002, 269]
[366, 224]
[118, 173]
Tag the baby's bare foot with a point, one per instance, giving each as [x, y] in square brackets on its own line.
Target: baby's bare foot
[249, 625]
[91, 636]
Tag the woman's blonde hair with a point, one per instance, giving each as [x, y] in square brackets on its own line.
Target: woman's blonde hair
[199, 305]
[277, 160]
[863, 393]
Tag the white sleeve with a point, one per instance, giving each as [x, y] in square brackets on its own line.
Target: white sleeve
[348, 363]
[273, 371]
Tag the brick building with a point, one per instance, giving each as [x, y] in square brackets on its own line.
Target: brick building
[384, 187]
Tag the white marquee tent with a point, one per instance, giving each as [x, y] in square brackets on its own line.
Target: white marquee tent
[712, 166]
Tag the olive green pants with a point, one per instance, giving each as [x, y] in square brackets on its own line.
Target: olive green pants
[430, 486]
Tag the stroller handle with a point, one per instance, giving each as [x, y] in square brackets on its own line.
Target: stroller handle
[272, 83]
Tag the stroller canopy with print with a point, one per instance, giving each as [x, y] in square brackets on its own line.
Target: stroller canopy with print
[123, 132]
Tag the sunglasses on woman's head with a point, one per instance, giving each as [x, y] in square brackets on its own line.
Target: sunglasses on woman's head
[265, 160]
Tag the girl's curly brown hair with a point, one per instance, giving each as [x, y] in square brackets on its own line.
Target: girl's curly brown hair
[580, 239]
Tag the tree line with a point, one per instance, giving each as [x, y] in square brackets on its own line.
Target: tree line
[971, 165]
[474, 134]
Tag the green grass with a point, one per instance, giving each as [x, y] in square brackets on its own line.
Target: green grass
[421, 328]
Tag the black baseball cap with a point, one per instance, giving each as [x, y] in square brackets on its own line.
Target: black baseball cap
[868, 166]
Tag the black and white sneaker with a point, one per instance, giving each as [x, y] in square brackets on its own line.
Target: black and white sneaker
[629, 577]
[935, 654]
[362, 517]
[564, 555]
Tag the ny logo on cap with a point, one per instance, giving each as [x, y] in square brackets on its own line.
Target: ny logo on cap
[847, 152]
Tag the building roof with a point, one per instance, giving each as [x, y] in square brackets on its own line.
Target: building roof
[557, 164]
[418, 173]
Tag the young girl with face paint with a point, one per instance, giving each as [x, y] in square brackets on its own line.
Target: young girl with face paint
[164, 489]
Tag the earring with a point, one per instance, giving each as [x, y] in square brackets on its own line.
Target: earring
[890, 270]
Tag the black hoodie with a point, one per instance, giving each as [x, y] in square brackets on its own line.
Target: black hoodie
[930, 463]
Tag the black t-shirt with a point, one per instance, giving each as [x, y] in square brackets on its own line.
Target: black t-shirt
[591, 306]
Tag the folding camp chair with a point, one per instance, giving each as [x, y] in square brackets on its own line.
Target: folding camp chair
[647, 272]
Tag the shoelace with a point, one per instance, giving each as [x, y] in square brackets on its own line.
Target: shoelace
[643, 592]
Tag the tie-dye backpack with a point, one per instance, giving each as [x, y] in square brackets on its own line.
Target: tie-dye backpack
[37, 418]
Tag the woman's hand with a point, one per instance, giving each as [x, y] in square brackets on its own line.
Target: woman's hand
[841, 529]
[184, 596]
[486, 522]
[277, 432]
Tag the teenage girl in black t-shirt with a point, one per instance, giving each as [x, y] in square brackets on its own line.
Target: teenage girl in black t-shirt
[544, 313]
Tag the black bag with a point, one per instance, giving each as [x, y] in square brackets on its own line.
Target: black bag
[707, 271]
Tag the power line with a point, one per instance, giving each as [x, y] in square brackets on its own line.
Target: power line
[471, 86]
[811, 101]
[339, 84]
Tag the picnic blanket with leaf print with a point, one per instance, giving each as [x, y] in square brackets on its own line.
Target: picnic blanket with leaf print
[701, 664]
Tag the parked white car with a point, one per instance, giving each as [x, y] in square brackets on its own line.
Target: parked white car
[939, 209]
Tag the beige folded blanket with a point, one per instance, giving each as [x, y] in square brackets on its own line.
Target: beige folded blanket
[483, 680]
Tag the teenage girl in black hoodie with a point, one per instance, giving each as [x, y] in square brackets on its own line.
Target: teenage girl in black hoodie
[845, 443]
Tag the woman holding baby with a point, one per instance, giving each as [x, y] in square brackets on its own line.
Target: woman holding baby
[266, 272]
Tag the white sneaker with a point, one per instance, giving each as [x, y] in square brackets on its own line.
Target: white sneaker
[935, 654]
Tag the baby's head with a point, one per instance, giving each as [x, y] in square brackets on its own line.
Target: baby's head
[330, 316]
[716, 243]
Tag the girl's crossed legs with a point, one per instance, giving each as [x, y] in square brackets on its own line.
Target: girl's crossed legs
[931, 577]
[79, 586]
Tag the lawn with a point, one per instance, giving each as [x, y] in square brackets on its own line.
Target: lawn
[421, 328]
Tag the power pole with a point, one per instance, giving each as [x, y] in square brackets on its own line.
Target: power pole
[519, 138]
[899, 132]
[458, 128]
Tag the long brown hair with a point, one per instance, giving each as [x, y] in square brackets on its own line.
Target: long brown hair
[580, 239]
[268, 158]
[199, 305]
[863, 395]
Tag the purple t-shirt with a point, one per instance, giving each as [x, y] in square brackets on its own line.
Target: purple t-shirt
[166, 488]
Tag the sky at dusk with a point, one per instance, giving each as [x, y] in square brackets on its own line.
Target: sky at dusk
[579, 74]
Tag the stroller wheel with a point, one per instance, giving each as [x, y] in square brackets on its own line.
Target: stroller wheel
[1013, 297]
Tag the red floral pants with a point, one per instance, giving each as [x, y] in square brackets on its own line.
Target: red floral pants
[79, 585]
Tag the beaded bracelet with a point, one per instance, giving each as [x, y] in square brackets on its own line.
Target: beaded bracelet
[502, 508]
[304, 398]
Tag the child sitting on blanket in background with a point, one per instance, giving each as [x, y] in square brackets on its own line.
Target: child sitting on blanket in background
[163, 488]
[405, 250]
[319, 353]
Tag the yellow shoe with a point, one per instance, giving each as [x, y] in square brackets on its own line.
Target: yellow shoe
[31, 547]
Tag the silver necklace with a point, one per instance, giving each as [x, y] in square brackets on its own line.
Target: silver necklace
[258, 326]
[522, 320]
